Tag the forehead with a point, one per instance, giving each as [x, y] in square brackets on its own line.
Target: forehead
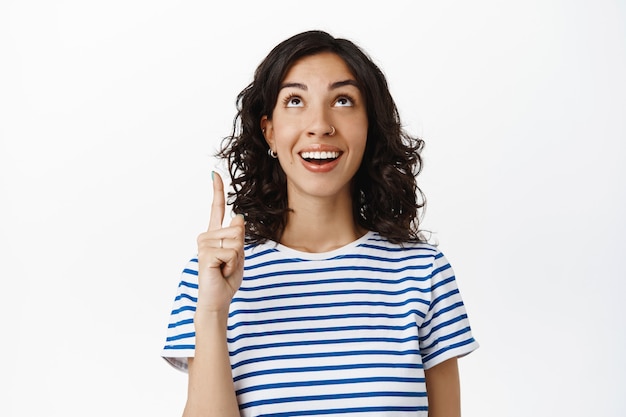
[325, 67]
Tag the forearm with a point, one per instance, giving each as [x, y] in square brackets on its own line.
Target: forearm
[211, 391]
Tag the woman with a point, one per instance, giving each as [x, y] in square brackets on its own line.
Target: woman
[325, 300]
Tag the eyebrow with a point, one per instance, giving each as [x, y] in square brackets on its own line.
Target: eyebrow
[294, 85]
[344, 82]
[333, 86]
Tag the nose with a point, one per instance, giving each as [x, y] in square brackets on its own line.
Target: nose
[320, 125]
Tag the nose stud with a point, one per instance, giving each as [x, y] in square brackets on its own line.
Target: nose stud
[332, 131]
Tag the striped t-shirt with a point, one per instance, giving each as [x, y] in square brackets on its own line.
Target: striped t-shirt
[347, 332]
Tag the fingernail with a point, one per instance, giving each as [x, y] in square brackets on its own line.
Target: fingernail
[212, 175]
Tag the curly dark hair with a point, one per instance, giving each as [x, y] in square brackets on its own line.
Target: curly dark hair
[385, 195]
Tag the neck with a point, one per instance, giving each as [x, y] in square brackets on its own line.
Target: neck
[321, 225]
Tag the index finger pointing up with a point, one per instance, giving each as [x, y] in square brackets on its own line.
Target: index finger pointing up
[218, 207]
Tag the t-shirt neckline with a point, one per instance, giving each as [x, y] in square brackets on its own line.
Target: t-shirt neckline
[348, 248]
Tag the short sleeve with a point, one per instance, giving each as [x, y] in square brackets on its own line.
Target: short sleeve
[445, 332]
[180, 340]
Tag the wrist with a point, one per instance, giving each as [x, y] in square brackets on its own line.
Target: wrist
[210, 317]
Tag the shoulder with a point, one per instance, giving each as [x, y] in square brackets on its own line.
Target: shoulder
[376, 242]
[256, 250]
[424, 254]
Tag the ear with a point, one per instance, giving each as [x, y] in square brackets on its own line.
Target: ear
[268, 131]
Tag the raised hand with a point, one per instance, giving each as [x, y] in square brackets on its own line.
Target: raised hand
[220, 256]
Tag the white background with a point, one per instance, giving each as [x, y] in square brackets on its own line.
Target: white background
[110, 112]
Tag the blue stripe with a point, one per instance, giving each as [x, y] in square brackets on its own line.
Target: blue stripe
[442, 297]
[282, 371]
[187, 296]
[447, 348]
[337, 269]
[272, 263]
[250, 256]
[446, 323]
[336, 281]
[441, 269]
[190, 271]
[442, 325]
[411, 352]
[183, 308]
[180, 323]
[321, 330]
[381, 258]
[327, 317]
[327, 293]
[324, 342]
[328, 305]
[181, 336]
[436, 254]
[442, 283]
[331, 411]
[337, 258]
[333, 397]
[447, 337]
[179, 347]
[442, 311]
[293, 384]
[188, 284]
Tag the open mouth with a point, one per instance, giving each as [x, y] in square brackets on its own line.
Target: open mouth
[320, 157]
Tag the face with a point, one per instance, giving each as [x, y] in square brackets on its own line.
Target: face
[318, 127]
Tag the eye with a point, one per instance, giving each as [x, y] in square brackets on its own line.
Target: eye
[344, 101]
[293, 101]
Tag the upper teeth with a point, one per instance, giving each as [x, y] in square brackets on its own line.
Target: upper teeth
[320, 155]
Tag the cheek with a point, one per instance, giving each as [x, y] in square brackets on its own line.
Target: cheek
[360, 123]
[359, 134]
[286, 128]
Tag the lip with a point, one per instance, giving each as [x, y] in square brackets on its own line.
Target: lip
[317, 168]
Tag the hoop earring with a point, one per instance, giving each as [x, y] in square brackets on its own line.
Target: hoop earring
[332, 131]
[271, 153]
